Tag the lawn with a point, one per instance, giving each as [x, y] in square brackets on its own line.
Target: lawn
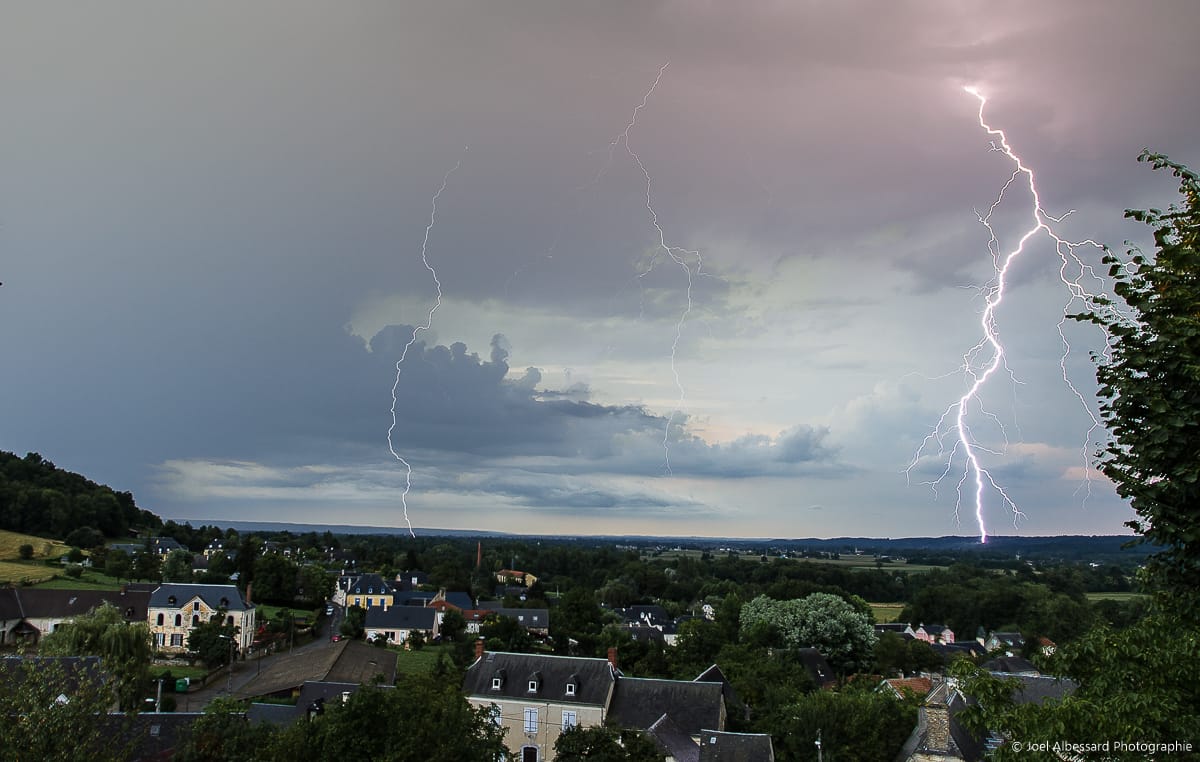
[886, 612]
[417, 662]
[18, 572]
[91, 579]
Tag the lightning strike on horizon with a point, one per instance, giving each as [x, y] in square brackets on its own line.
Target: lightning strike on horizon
[677, 254]
[413, 340]
[983, 359]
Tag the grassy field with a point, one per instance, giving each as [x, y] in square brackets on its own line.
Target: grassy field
[416, 662]
[11, 542]
[1115, 596]
[846, 562]
[91, 579]
[886, 612]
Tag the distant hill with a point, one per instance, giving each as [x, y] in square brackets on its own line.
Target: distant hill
[38, 498]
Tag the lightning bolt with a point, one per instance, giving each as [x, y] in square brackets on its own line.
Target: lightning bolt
[413, 340]
[688, 260]
[987, 356]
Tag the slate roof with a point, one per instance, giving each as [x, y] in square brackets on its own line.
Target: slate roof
[40, 603]
[1011, 665]
[273, 714]
[151, 735]
[594, 678]
[527, 618]
[400, 618]
[10, 604]
[963, 647]
[461, 601]
[733, 702]
[639, 702]
[367, 584]
[717, 746]
[227, 597]
[669, 738]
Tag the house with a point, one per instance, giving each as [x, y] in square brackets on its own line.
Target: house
[934, 633]
[410, 580]
[940, 736]
[535, 697]
[175, 608]
[1010, 643]
[525, 578]
[363, 590]
[26, 614]
[398, 623]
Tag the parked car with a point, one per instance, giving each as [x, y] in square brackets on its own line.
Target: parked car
[336, 637]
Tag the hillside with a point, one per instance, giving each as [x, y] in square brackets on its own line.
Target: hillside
[38, 498]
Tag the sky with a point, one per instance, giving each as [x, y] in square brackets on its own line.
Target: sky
[706, 268]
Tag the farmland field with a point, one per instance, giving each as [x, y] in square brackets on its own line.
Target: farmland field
[1115, 596]
[886, 612]
[11, 542]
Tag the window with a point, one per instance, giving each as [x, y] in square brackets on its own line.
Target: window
[160, 620]
[531, 720]
[569, 720]
[179, 620]
[229, 620]
[195, 605]
[494, 712]
[570, 689]
[177, 640]
[495, 683]
[533, 686]
[158, 640]
[195, 621]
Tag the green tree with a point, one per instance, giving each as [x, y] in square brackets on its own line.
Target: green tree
[1141, 683]
[214, 641]
[826, 622]
[1150, 387]
[124, 648]
[147, 564]
[354, 623]
[837, 719]
[55, 710]
[118, 564]
[422, 719]
[177, 567]
[25, 551]
[223, 735]
[604, 743]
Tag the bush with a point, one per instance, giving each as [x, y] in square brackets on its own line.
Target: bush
[74, 571]
[26, 551]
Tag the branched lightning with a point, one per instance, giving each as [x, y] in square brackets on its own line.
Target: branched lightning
[688, 260]
[987, 356]
[413, 340]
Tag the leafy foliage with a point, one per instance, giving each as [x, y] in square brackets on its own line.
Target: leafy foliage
[1150, 386]
[840, 721]
[53, 711]
[603, 743]
[835, 627]
[38, 498]
[213, 641]
[124, 648]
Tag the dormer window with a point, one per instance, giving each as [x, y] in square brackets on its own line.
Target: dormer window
[171, 600]
[570, 689]
[533, 686]
[498, 679]
[535, 682]
[572, 685]
[496, 683]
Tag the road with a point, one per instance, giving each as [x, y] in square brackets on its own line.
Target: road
[222, 684]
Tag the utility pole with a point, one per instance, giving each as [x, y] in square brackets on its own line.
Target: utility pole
[820, 758]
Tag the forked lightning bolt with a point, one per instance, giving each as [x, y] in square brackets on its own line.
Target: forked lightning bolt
[413, 340]
[688, 260]
[987, 356]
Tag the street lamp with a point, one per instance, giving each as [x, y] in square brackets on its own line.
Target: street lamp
[229, 684]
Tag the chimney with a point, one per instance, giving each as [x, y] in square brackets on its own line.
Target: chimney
[612, 656]
[478, 649]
